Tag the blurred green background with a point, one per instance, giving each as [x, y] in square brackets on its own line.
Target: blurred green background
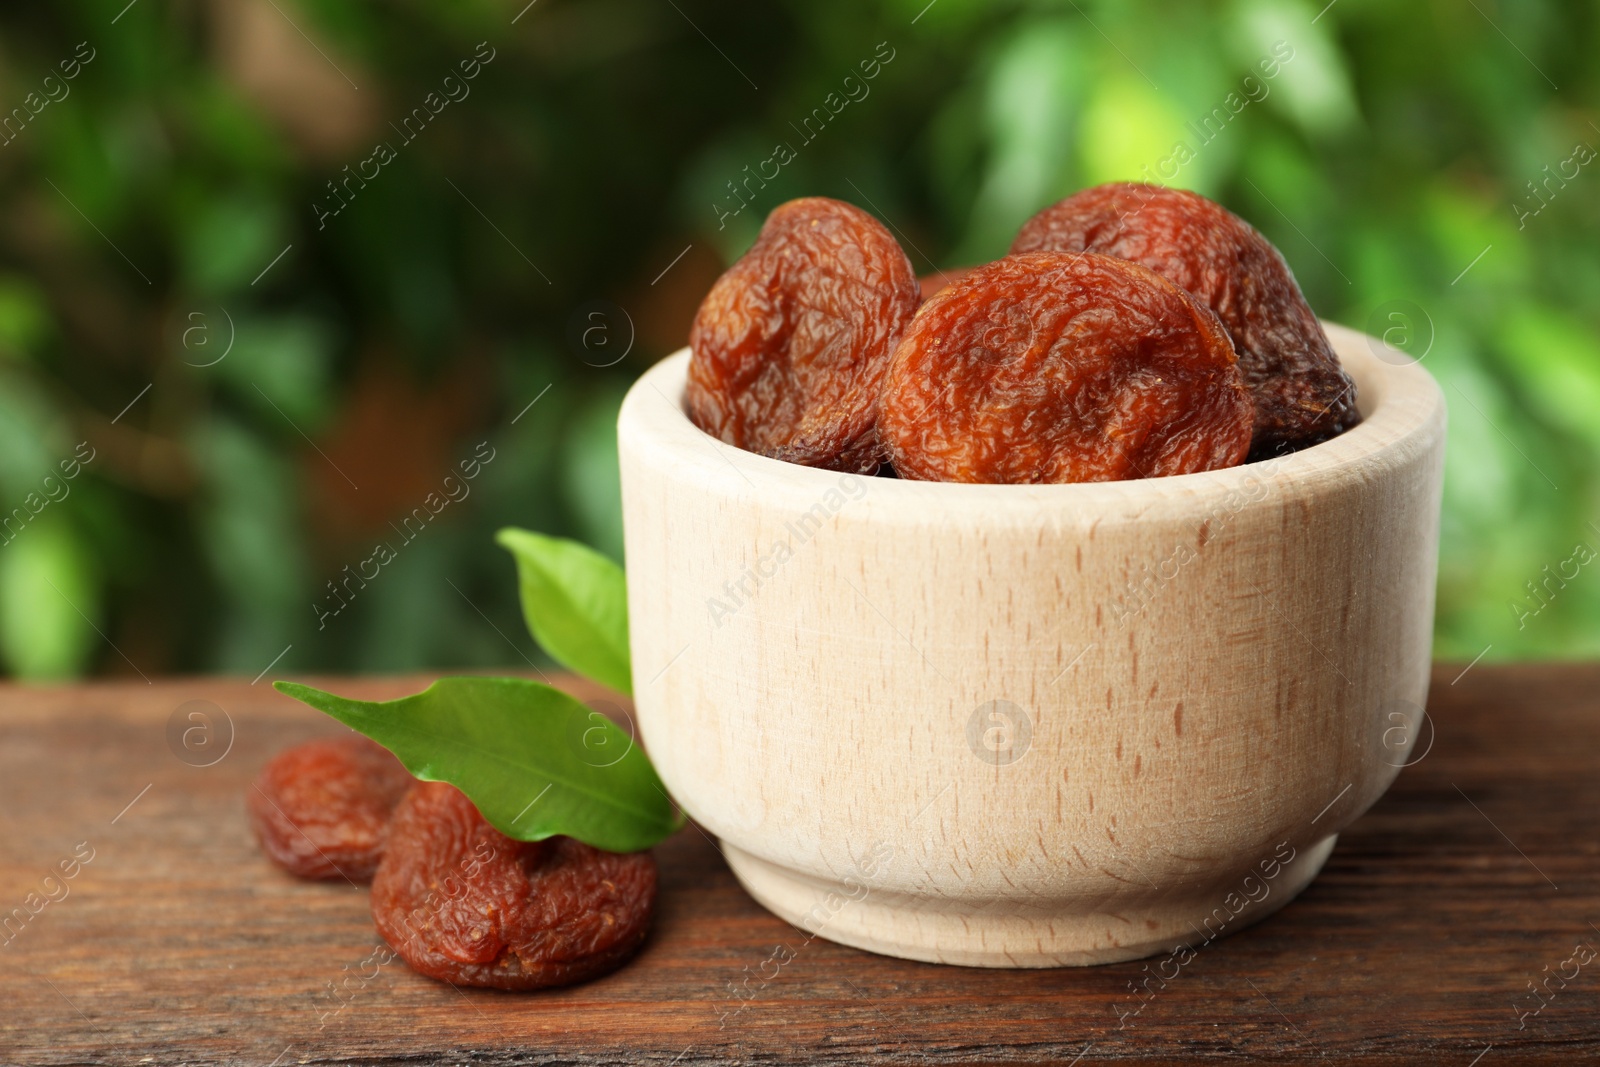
[240, 343]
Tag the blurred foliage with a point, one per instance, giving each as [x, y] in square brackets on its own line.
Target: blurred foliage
[268, 387]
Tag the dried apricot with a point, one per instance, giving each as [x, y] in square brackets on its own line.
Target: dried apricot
[1052, 367]
[321, 809]
[791, 344]
[1301, 394]
[461, 902]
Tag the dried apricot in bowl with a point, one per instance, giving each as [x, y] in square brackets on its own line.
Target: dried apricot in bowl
[321, 809]
[1052, 367]
[461, 902]
[1301, 393]
[791, 344]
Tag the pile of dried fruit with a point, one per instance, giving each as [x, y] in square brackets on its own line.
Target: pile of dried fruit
[1134, 331]
[520, 862]
[455, 898]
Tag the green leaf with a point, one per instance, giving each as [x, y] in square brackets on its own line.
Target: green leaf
[576, 603]
[535, 761]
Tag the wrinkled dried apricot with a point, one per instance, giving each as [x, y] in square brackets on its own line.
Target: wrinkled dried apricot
[321, 809]
[1052, 367]
[1301, 394]
[461, 902]
[790, 346]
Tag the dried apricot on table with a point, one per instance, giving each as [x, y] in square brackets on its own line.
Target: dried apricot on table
[1052, 367]
[1302, 395]
[791, 344]
[461, 902]
[321, 809]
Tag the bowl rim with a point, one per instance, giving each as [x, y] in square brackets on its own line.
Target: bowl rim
[1402, 406]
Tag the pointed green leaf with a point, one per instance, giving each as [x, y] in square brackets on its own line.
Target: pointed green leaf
[535, 761]
[576, 603]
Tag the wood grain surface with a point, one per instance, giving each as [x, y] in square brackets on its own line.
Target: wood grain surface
[176, 942]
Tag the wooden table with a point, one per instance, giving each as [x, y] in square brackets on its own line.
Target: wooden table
[176, 941]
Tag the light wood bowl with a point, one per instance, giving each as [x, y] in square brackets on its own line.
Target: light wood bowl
[1032, 726]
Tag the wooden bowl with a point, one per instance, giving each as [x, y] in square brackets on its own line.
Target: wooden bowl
[1032, 726]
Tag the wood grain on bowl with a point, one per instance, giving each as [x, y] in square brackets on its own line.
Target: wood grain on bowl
[1038, 724]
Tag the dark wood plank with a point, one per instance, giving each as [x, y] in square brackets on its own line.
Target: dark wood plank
[177, 942]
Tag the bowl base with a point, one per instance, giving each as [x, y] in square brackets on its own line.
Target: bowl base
[1004, 935]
